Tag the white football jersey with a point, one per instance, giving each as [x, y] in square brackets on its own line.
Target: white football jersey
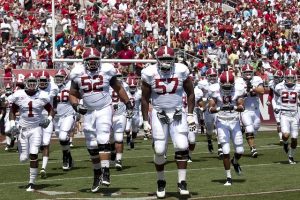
[135, 99]
[30, 107]
[52, 91]
[251, 102]
[64, 108]
[275, 95]
[94, 86]
[217, 94]
[198, 95]
[288, 96]
[166, 88]
[118, 106]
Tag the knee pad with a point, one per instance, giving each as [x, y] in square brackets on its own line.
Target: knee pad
[191, 138]
[104, 147]
[33, 157]
[249, 135]
[64, 143]
[159, 147]
[118, 137]
[63, 136]
[226, 148]
[239, 149]
[250, 129]
[94, 153]
[182, 155]
[159, 159]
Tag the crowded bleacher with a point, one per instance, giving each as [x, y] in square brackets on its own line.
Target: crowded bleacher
[204, 33]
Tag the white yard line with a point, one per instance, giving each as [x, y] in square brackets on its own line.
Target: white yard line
[131, 174]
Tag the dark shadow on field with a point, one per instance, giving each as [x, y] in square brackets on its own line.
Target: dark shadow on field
[285, 162]
[49, 174]
[78, 147]
[73, 168]
[222, 181]
[41, 186]
[106, 191]
[249, 155]
[178, 196]
[277, 143]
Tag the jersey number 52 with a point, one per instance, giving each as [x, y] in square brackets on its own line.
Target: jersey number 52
[89, 85]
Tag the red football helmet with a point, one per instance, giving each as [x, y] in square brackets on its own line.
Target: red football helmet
[212, 75]
[31, 82]
[290, 77]
[227, 82]
[247, 72]
[132, 84]
[165, 57]
[278, 76]
[44, 79]
[60, 77]
[91, 59]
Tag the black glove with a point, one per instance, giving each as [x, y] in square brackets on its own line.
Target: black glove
[116, 107]
[177, 115]
[249, 86]
[44, 123]
[129, 110]
[276, 111]
[80, 108]
[162, 116]
[227, 107]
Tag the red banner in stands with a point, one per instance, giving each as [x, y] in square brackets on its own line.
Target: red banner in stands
[266, 112]
[16, 72]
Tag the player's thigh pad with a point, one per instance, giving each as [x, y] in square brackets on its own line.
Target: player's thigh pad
[223, 131]
[128, 124]
[90, 140]
[247, 121]
[135, 126]
[35, 140]
[285, 124]
[179, 133]
[160, 146]
[295, 127]
[47, 132]
[256, 120]
[119, 123]
[103, 124]
[191, 137]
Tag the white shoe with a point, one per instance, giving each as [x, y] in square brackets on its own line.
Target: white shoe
[182, 187]
[291, 161]
[228, 182]
[161, 191]
[30, 187]
[43, 173]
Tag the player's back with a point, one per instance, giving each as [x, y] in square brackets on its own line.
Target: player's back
[64, 108]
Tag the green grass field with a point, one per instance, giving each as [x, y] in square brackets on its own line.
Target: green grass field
[267, 177]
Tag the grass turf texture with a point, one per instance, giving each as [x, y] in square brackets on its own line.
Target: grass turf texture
[267, 177]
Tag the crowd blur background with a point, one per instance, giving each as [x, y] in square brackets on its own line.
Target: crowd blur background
[216, 33]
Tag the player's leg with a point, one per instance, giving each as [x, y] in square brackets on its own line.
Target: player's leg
[160, 138]
[135, 129]
[286, 130]
[294, 137]
[103, 125]
[179, 135]
[65, 128]
[277, 118]
[34, 140]
[224, 138]
[209, 125]
[127, 131]
[46, 137]
[192, 136]
[119, 124]
[237, 140]
[248, 122]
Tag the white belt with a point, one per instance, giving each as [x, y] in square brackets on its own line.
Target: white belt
[227, 118]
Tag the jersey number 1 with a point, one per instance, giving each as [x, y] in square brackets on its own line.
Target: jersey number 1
[30, 114]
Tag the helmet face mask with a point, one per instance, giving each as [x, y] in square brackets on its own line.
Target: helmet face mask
[59, 80]
[132, 89]
[227, 88]
[166, 64]
[32, 85]
[43, 83]
[247, 75]
[290, 81]
[212, 78]
[165, 57]
[278, 79]
[92, 64]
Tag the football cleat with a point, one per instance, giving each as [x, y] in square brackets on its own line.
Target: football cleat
[254, 153]
[286, 147]
[189, 159]
[106, 177]
[128, 140]
[228, 182]
[43, 173]
[210, 146]
[65, 162]
[161, 192]
[118, 165]
[182, 187]
[71, 144]
[132, 144]
[237, 167]
[30, 187]
[7, 148]
[291, 161]
[97, 180]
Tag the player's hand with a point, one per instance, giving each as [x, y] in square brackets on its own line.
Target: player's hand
[45, 122]
[147, 128]
[14, 129]
[191, 122]
[129, 110]
[268, 103]
[80, 108]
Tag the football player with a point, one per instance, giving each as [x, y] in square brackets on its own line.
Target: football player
[209, 118]
[64, 119]
[118, 123]
[133, 124]
[251, 116]
[30, 103]
[273, 99]
[91, 82]
[226, 99]
[165, 83]
[289, 92]
[51, 88]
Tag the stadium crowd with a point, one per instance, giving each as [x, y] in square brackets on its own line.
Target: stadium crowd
[263, 33]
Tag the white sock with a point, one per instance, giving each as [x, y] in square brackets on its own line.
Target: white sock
[45, 162]
[181, 175]
[292, 152]
[71, 139]
[280, 135]
[8, 140]
[119, 156]
[228, 173]
[104, 163]
[33, 173]
[160, 175]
